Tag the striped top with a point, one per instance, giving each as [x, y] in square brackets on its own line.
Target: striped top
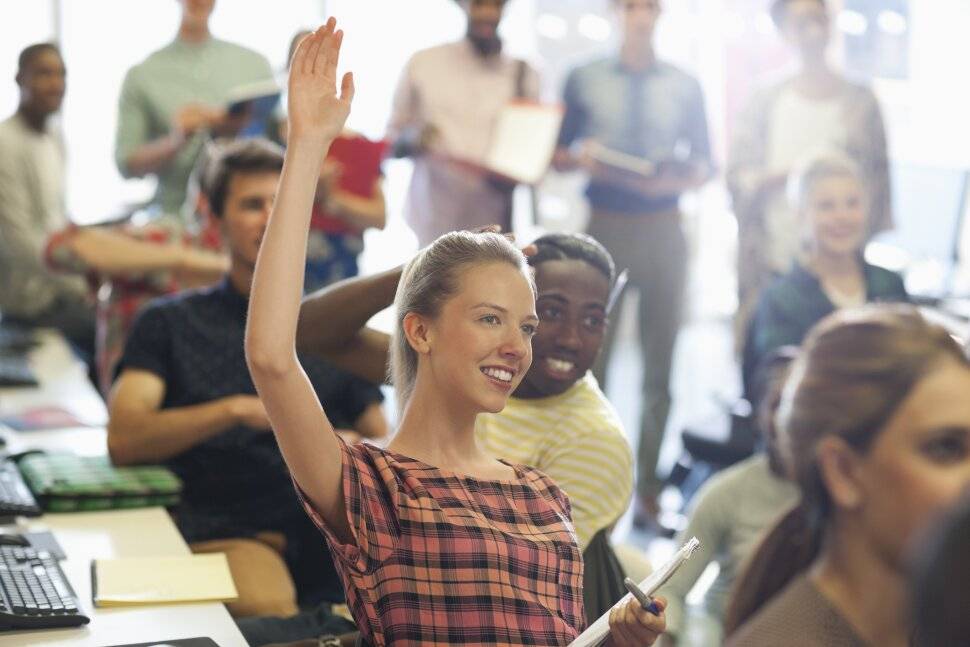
[443, 559]
[577, 439]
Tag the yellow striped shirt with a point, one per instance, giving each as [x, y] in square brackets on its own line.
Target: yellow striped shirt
[577, 439]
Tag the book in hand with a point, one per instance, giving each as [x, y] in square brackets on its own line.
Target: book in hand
[132, 581]
[257, 101]
[634, 164]
[523, 141]
[597, 632]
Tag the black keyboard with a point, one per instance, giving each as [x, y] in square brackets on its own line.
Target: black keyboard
[15, 497]
[16, 371]
[35, 595]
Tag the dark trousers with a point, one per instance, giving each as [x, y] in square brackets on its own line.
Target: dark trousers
[654, 250]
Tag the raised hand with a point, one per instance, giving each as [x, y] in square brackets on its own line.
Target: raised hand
[316, 112]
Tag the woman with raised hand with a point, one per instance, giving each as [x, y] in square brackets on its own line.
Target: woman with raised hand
[874, 427]
[436, 542]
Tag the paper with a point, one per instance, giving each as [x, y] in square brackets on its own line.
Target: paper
[620, 160]
[161, 580]
[523, 141]
[599, 630]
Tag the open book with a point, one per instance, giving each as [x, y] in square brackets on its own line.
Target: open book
[258, 101]
[599, 630]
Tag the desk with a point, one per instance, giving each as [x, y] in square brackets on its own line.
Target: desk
[123, 533]
[63, 382]
[96, 535]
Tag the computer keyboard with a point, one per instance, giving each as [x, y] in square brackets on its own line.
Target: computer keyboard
[35, 595]
[15, 497]
[16, 371]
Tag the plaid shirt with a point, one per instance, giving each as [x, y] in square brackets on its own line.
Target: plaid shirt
[442, 559]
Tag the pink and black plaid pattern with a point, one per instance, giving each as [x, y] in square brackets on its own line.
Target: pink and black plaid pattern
[442, 559]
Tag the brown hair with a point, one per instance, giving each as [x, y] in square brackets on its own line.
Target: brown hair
[237, 157]
[429, 280]
[856, 367]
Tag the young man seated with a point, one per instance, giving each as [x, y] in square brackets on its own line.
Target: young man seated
[183, 397]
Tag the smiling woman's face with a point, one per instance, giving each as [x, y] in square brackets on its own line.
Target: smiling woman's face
[571, 302]
[480, 344]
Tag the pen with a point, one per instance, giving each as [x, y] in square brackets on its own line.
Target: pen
[645, 601]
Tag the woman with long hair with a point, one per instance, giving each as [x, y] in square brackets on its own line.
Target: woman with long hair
[436, 541]
[874, 427]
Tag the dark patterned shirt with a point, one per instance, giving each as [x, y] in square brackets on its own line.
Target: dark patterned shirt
[444, 559]
[236, 483]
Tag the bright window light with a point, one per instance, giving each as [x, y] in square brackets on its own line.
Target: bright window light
[852, 23]
[594, 27]
[552, 26]
[763, 24]
[892, 22]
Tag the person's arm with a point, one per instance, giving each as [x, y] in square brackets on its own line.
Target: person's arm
[305, 436]
[21, 244]
[357, 211]
[573, 125]
[140, 431]
[372, 424]
[109, 252]
[333, 324]
[409, 135]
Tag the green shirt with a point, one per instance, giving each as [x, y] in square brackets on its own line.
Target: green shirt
[155, 89]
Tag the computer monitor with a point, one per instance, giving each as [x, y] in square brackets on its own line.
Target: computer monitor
[928, 211]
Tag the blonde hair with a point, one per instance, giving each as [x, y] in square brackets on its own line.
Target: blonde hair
[430, 279]
[819, 165]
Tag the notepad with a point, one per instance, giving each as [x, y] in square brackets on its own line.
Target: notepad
[523, 141]
[597, 632]
[132, 581]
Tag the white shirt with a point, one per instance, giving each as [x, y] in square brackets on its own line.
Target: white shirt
[797, 126]
[461, 94]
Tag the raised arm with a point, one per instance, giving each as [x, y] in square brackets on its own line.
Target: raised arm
[306, 438]
[333, 324]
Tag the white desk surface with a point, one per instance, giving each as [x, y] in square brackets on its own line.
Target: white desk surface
[123, 533]
[96, 535]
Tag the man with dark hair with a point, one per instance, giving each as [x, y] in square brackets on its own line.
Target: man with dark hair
[32, 205]
[632, 105]
[447, 101]
[183, 397]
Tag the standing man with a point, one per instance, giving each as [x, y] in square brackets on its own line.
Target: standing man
[32, 205]
[446, 105]
[652, 112]
[175, 97]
